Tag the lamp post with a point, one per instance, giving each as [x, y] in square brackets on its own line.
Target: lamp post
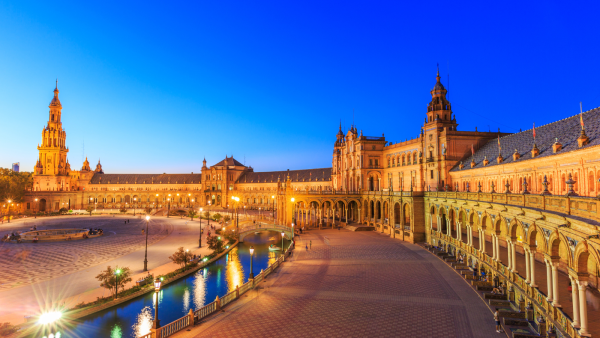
[293, 211]
[282, 235]
[9, 201]
[169, 203]
[157, 284]
[208, 217]
[36, 207]
[117, 272]
[186, 253]
[273, 210]
[135, 205]
[259, 213]
[200, 230]
[237, 214]
[146, 254]
[251, 259]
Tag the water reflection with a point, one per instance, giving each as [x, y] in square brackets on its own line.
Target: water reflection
[116, 332]
[186, 299]
[144, 322]
[235, 271]
[200, 288]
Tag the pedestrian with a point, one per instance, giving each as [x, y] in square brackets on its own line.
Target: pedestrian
[310, 244]
[497, 319]
[125, 222]
[307, 248]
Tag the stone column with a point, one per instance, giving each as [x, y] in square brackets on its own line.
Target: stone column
[575, 294]
[527, 266]
[494, 246]
[332, 217]
[532, 267]
[482, 240]
[513, 256]
[458, 231]
[448, 227]
[470, 238]
[359, 219]
[509, 249]
[497, 248]
[549, 280]
[583, 309]
[347, 217]
[555, 293]
[439, 223]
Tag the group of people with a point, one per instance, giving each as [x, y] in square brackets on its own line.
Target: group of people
[12, 237]
[95, 232]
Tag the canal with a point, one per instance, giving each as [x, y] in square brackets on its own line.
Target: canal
[134, 318]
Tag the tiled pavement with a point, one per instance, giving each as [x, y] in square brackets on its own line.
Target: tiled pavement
[361, 285]
[29, 263]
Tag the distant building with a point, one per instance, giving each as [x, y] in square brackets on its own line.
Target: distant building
[15, 166]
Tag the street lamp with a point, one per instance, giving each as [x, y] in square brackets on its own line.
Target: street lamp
[293, 211]
[157, 284]
[117, 272]
[35, 212]
[169, 202]
[185, 265]
[146, 254]
[251, 254]
[273, 211]
[237, 214]
[282, 235]
[135, 205]
[9, 201]
[200, 231]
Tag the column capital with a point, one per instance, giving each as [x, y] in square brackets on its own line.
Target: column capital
[582, 285]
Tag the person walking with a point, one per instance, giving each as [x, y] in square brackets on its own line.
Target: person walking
[310, 242]
[307, 248]
[497, 319]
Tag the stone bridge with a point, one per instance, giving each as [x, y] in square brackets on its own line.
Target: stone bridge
[252, 228]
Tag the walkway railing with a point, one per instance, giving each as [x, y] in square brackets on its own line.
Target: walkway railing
[265, 226]
[194, 317]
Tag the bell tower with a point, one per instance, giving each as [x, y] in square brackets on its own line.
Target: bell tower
[438, 121]
[53, 151]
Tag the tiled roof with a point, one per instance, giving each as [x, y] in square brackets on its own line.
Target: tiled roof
[229, 161]
[100, 178]
[306, 175]
[567, 131]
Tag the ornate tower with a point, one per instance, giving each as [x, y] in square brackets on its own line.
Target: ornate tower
[438, 121]
[52, 167]
[53, 151]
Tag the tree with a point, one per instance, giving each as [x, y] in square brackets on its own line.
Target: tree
[206, 214]
[123, 210]
[226, 218]
[217, 217]
[192, 214]
[179, 257]
[14, 184]
[109, 280]
[89, 209]
[148, 210]
[63, 211]
[215, 244]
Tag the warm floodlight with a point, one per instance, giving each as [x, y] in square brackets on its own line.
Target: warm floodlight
[147, 217]
[49, 317]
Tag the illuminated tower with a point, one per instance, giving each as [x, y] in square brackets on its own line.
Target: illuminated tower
[52, 161]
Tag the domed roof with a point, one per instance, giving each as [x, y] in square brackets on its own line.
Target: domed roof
[55, 101]
[438, 85]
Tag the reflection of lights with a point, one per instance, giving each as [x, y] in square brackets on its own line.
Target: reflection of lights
[144, 322]
[116, 332]
[200, 289]
[49, 317]
[186, 300]
[234, 272]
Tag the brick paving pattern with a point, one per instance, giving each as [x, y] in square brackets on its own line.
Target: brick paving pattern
[361, 285]
[30, 263]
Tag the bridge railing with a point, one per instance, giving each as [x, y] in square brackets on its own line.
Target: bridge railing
[196, 316]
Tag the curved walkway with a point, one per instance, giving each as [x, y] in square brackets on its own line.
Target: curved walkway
[360, 284]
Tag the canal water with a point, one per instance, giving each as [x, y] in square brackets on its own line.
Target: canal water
[134, 318]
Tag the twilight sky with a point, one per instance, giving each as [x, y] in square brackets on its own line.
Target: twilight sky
[153, 87]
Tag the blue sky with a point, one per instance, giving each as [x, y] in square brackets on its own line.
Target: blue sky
[154, 87]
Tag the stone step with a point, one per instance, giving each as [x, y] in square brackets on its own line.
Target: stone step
[489, 295]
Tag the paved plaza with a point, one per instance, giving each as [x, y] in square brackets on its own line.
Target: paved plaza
[35, 275]
[361, 284]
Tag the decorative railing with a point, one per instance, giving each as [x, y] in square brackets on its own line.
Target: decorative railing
[195, 316]
[587, 207]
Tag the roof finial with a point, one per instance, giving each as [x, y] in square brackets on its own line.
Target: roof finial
[56, 83]
[438, 73]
